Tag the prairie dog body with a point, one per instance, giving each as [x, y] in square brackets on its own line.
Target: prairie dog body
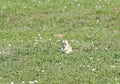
[66, 47]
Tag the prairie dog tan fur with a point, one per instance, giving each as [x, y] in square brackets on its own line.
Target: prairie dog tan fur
[66, 47]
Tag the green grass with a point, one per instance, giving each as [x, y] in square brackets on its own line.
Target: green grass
[29, 49]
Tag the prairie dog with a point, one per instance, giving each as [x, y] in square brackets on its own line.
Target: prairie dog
[66, 47]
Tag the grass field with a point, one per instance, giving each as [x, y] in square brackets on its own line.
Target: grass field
[31, 32]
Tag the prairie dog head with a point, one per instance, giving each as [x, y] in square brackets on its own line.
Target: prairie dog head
[65, 42]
